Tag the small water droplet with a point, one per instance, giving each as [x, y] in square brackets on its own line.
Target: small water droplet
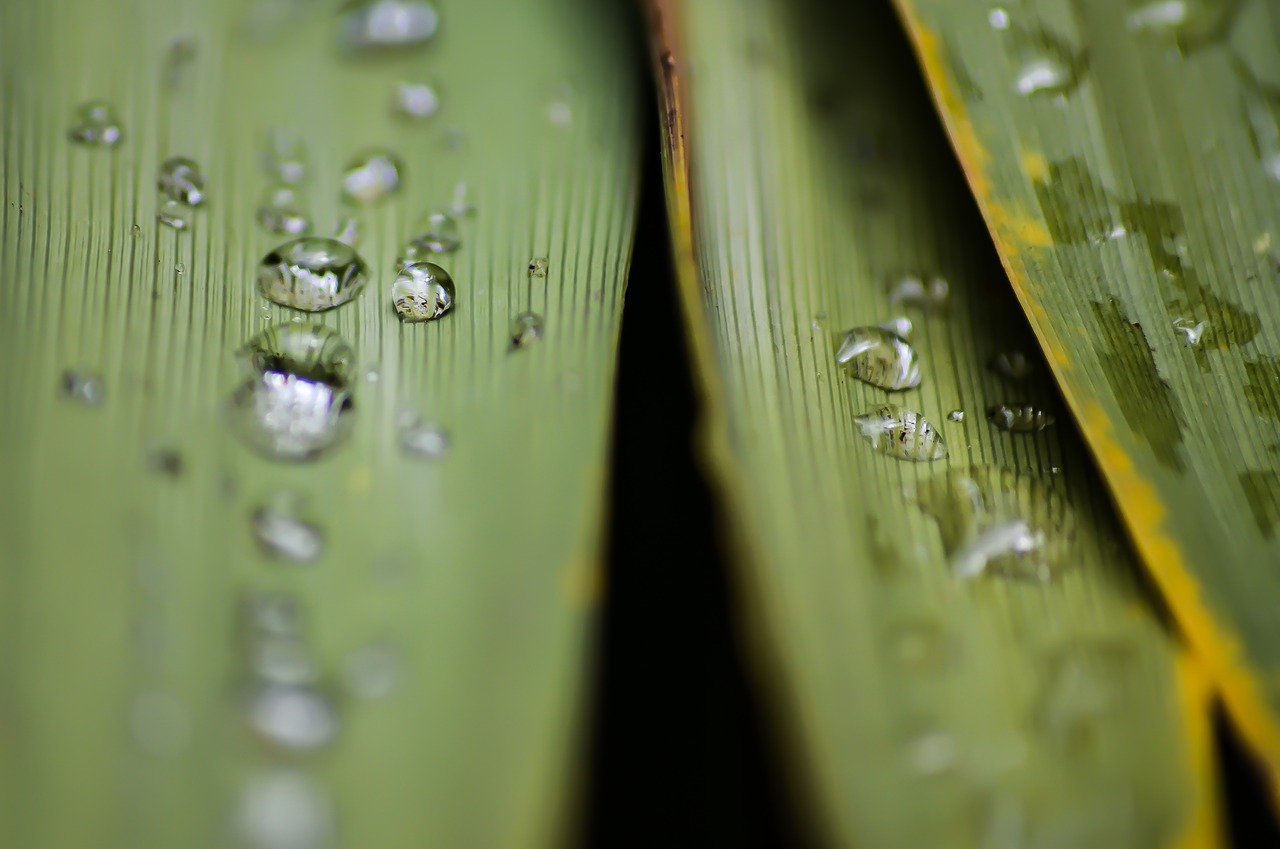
[1162, 14]
[284, 156]
[880, 358]
[998, 18]
[137, 230]
[912, 290]
[296, 399]
[439, 235]
[956, 416]
[371, 176]
[899, 326]
[96, 125]
[281, 533]
[372, 671]
[312, 274]
[422, 291]
[159, 723]
[347, 230]
[415, 100]
[1012, 365]
[181, 180]
[526, 329]
[1049, 65]
[275, 614]
[538, 267]
[932, 753]
[174, 213]
[460, 206]
[284, 660]
[284, 810]
[179, 267]
[901, 433]
[84, 387]
[1018, 418]
[382, 24]
[1191, 330]
[281, 212]
[423, 439]
[292, 716]
[560, 114]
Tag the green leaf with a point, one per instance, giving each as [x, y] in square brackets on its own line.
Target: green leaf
[807, 175]
[1135, 204]
[127, 523]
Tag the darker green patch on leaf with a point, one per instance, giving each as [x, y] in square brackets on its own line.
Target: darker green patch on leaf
[1262, 491]
[1263, 388]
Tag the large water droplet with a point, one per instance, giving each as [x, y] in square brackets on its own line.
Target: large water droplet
[526, 329]
[281, 212]
[415, 100]
[422, 291]
[438, 236]
[880, 358]
[372, 671]
[96, 125]
[312, 274]
[901, 433]
[296, 400]
[381, 24]
[174, 214]
[1018, 418]
[371, 176]
[159, 723]
[292, 717]
[284, 810]
[180, 179]
[281, 533]
[84, 387]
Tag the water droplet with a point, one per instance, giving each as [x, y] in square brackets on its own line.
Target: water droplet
[348, 230]
[84, 387]
[96, 125]
[285, 810]
[1013, 537]
[956, 416]
[560, 114]
[899, 326]
[284, 156]
[416, 100]
[538, 267]
[174, 214]
[1191, 331]
[181, 180]
[526, 329]
[284, 660]
[296, 400]
[291, 716]
[438, 236]
[312, 274]
[459, 206]
[372, 671]
[1012, 365]
[880, 358]
[281, 213]
[912, 290]
[422, 291]
[382, 24]
[281, 533]
[1162, 14]
[901, 433]
[932, 753]
[137, 230]
[1018, 418]
[179, 267]
[998, 18]
[276, 614]
[371, 176]
[423, 439]
[159, 723]
[1049, 65]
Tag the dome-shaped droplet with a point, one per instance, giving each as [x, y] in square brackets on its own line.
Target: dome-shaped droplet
[180, 179]
[282, 213]
[382, 24]
[526, 329]
[96, 125]
[174, 214]
[880, 358]
[281, 533]
[371, 176]
[423, 439]
[295, 401]
[901, 433]
[415, 100]
[422, 291]
[84, 387]
[291, 716]
[312, 274]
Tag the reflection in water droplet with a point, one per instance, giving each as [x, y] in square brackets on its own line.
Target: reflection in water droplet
[913, 291]
[84, 387]
[174, 214]
[371, 176]
[181, 180]
[372, 671]
[292, 717]
[901, 433]
[296, 399]
[284, 810]
[281, 213]
[312, 274]
[1018, 418]
[526, 329]
[956, 416]
[422, 291]
[96, 125]
[438, 236]
[159, 723]
[899, 326]
[995, 522]
[415, 100]
[880, 358]
[280, 533]
[423, 439]
[538, 267]
[284, 660]
[284, 156]
[1191, 331]
[381, 24]
[1012, 365]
